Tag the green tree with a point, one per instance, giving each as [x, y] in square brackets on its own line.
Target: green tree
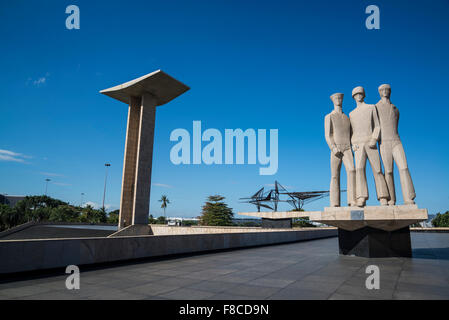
[250, 224]
[441, 220]
[41, 214]
[113, 216]
[216, 213]
[44, 208]
[32, 208]
[151, 220]
[165, 202]
[188, 223]
[161, 220]
[64, 213]
[91, 215]
[302, 223]
[99, 216]
[9, 217]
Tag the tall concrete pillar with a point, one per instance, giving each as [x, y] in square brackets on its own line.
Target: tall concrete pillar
[136, 181]
[142, 95]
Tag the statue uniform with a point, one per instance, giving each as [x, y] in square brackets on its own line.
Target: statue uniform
[365, 128]
[391, 149]
[338, 134]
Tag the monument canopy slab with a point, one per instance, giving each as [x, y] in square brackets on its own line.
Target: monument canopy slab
[388, 218]
[162, 86]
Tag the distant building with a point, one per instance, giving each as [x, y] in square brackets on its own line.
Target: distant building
[10, 200]
[428, 222]
[178, 221]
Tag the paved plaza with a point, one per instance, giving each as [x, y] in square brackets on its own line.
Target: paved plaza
[302, 270]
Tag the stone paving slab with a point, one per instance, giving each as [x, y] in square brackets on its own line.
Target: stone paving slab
[302, 270]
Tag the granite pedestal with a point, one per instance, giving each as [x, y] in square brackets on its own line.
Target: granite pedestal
[371, 231]
[375, 243]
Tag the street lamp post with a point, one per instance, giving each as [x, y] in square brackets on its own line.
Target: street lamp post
[46, 185]
[82, 196]
[105, 179]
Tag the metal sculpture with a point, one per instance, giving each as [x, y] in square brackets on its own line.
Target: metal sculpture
[269, 199]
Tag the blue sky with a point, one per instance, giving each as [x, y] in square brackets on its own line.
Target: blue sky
[250, 64]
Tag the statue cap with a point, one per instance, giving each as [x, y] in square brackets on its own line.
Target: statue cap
[384, 86]
[336, 95]
[358, 89]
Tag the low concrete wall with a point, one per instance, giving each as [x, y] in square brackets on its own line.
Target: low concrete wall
[160, 229]
[133, 230]
[433, 229]
[28, 255]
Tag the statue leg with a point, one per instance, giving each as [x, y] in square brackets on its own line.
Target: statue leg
[386, 153]
[408, 190]
[335, 181]
[348, 161]
[360, 175]
[379, 179]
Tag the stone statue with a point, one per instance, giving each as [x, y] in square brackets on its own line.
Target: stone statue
[338, 136]
[391, 147]
[365, 134]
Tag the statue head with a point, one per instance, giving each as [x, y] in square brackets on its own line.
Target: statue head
[337, 99]
[358, 94]
[385, 91]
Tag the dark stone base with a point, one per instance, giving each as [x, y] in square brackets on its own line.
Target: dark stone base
[375, 243]
[276, 223]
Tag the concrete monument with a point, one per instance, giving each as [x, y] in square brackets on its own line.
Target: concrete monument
[337, 129]
[365, 134]
[142, 95]
[391, 147]
[371, 231]
[367, 231]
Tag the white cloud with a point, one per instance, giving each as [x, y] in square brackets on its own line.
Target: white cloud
[39, 81]
[7, 155]
[162, 185]
[92, 204]
[9, 158]
[10, 153]
[61, 184]
[107, 206]
[51, 174]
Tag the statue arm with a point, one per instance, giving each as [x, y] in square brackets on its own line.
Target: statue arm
[376, 132]
[328, 132]
[396, 111]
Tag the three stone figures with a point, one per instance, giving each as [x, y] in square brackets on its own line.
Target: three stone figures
[365, 128]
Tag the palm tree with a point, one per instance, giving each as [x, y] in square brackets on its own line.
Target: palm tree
[164, 201]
